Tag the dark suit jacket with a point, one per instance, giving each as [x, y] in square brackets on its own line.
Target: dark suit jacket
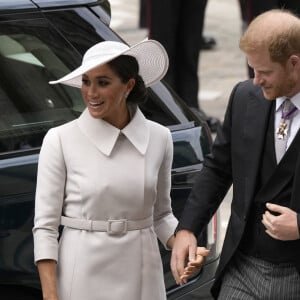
[235, 159]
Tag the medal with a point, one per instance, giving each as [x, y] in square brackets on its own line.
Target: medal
[282, 130]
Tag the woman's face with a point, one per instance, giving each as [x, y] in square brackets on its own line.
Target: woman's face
[105, 95]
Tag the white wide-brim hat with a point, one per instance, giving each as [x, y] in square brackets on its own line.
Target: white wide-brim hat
[151, 56]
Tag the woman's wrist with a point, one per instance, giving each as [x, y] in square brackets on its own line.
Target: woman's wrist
[170, 242]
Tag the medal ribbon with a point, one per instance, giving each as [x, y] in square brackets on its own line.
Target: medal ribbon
[288, 114]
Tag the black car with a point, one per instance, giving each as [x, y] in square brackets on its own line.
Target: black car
[40, 41]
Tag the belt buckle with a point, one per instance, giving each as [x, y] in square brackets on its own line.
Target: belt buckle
[115, 227]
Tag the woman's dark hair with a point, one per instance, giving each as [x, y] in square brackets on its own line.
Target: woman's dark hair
[126, 67]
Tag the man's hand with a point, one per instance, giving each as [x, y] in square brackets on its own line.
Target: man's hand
[282, 226]
[184, 247]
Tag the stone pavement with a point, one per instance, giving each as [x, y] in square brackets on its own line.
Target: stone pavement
[219, 69]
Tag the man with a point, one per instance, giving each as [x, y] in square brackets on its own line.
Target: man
[252, 8]
[260, 258]
[255, 7]
[178, 26]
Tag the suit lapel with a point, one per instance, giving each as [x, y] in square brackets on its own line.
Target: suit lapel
[255, 128]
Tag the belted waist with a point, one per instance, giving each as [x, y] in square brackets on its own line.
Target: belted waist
[112, 227]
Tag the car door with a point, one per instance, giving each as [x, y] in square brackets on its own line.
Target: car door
[31, 54]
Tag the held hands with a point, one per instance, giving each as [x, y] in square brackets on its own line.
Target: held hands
[194, 266]
[185, 246]
[282, 226]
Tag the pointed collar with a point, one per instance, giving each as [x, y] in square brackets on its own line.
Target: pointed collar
[295, 100]
[104, 135]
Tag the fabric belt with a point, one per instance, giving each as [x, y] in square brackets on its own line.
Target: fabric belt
[112, 227]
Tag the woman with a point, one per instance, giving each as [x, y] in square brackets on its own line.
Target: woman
[106, 178]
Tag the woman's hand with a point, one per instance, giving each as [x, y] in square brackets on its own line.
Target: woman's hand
[194, 266]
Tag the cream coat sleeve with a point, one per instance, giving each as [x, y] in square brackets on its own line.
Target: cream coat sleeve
[49, 197]
[164, 221]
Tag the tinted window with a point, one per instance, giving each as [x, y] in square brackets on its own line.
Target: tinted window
[30, 56]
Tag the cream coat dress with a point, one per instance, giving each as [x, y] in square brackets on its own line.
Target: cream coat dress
[90, 170]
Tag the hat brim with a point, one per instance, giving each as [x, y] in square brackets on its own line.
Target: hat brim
[151, 56]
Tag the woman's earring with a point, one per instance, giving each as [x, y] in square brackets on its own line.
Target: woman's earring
[126, 95]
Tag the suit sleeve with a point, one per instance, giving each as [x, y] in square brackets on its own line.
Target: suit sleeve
[49, 197]
[164, 220]
[214, 180]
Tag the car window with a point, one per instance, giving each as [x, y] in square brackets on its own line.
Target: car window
[31, 56]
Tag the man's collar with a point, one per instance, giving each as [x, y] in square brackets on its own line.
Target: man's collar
[295, 100]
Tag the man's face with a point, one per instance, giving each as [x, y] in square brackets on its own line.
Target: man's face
[275, 79]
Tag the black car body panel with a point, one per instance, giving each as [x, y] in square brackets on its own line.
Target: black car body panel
[42, 41]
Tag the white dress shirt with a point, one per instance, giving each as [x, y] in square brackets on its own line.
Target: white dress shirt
[295, 121]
